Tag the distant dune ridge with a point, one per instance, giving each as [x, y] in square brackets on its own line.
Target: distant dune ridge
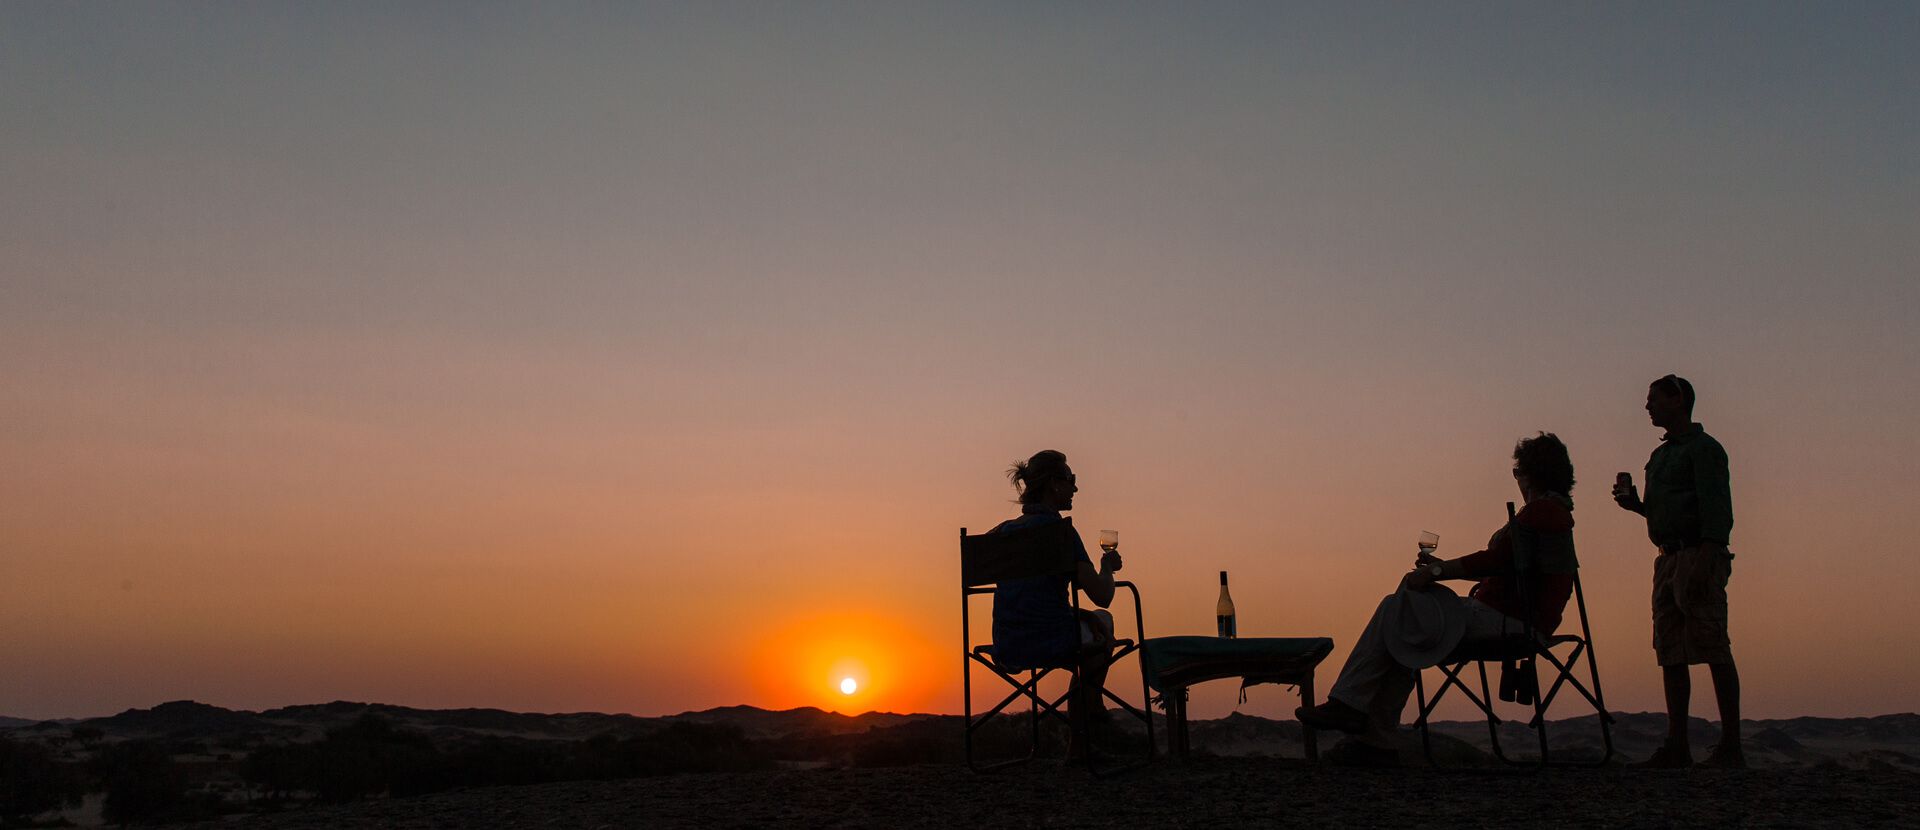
[191, 720]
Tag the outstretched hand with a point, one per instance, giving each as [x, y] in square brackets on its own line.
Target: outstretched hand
[1417, 579]
[1110, 561]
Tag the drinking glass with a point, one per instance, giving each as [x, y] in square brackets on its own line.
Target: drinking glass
[1429, 541]
[1109, 540]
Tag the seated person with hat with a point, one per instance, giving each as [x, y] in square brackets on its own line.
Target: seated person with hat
[1424, 621]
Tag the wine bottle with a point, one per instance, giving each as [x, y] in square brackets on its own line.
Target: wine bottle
[1223, 610]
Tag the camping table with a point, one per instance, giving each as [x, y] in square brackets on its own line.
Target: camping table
[1172, 664]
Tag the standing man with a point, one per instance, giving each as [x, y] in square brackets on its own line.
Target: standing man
[1689, 512]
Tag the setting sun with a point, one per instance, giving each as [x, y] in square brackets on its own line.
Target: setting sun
[851, 661]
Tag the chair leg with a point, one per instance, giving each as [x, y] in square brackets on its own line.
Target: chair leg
[1567, 678]
[1028, 688]
[1539, 711]
[1599, 704]
[1493, 721]
[1307, 735]
[1187, 734]
[1128, 707]
[1426, 732]
[1033, 714]
[966, 697]
[973, 724]
[1428, 705]
[1177, 728]
[1146, 702]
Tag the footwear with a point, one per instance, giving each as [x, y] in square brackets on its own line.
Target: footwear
[1356, 753]
[1333, 715]
[1668, 756]
[1726, 756]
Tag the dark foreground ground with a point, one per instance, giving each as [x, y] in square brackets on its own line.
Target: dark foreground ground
[1206, 793]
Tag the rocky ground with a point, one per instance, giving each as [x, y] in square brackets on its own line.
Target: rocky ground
[1212, 792]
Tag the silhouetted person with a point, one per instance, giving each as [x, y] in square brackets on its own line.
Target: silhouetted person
[1034, 621]
[1419, 625]
[1689, 510]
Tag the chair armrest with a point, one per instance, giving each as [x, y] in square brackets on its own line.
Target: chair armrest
[1139, 617]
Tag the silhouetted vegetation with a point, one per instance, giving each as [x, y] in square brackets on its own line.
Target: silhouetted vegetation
[277, 770]
[144, 785]
[32, 781]
[677, 748]
[372, 757]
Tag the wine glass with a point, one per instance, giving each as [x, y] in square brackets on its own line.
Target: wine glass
[1429, 541]
[1109, 540]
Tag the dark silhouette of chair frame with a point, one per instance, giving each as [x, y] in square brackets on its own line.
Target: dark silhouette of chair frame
[1535, 555]
[1043, 550]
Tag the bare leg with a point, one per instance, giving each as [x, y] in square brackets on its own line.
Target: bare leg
[1679, 690]
[1726, 690]
[1093, 678]
[1084, 700]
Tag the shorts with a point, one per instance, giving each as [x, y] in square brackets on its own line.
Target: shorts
[1096, 626]
[1690, 606]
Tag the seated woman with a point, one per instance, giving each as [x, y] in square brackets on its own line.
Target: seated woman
[1421, 623]
[1034, 621]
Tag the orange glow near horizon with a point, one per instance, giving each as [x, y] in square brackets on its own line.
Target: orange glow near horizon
[810, 662]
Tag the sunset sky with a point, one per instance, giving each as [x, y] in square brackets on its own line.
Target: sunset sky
[644, 358]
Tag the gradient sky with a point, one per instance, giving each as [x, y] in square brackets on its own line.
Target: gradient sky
[647, 358]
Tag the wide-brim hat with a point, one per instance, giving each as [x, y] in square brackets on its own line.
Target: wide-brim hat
[1423, 626]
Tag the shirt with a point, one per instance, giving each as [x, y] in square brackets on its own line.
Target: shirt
[1033, 619]
[1499, 590]
[1688, 500]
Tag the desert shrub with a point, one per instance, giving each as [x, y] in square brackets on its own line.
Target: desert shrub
[697, 747]
[142, 782]
[496, 761]
[277, 770]
[370, 757]
[676, 748]
[32, 781]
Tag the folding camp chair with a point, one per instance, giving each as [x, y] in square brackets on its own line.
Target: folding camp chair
[1042, 550]
[1536, 555]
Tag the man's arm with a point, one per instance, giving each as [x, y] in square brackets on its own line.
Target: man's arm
[1711, 485]
[1421, 576]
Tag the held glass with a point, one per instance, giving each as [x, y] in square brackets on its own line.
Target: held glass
[1428, 542]
[1109, 539]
